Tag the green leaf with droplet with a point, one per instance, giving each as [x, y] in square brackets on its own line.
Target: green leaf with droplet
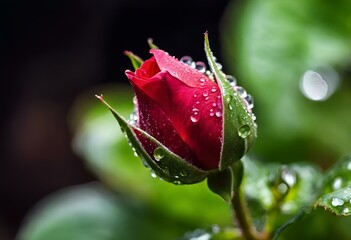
[136, 60]
[239, 128]
[164, 163]
[336, 189]
[337, 202]
[275, 193]
[339, 176]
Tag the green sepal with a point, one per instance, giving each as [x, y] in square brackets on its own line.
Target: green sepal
[150, 41]
[239, 128]
[221, 183]
[164, 163]
[136, 60]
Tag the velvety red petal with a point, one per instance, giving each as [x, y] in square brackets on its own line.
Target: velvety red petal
[183, 72]
[195, 113]
[155, 122]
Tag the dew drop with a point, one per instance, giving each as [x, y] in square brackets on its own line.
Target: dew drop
[186, 60]
[231, 80]
[283, 188]
[249, 100]
[214, 89]
[202, 80]
[219, 66]
[337, 183]
[244, 131]
[153, 174]
[289, 177]
[218, 114]
[200, 66]
[241, 91]
[337, 201]
[158, 154]
[183, 173]
[214, 104]
[349, 166]
[195, 95]
[205, 93]
[345, 210]
[195, 117]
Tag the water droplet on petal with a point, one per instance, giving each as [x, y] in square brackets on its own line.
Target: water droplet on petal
[231, 80]
[214, 89]
[214, 104]
[205, 93]
[244, 131]
[195, 117]
[337, 201]
[337, 183]
[200, 66]
[186, 60]
[202, 80]
[218, 114]
[158, 154]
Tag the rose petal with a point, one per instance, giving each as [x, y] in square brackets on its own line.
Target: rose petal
[202, 132]
[188, 75]
[155, 122]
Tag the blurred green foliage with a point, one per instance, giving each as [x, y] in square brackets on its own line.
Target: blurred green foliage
[269, 45]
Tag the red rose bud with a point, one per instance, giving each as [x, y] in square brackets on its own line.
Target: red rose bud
[188, 121]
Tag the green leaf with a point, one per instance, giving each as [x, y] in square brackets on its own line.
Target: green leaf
[339, 176]
[221, 183]
[336, 190]
[164, 163]
[276, 193]
[337, 202]
[239, 128]
[90, 212]
[136, 61]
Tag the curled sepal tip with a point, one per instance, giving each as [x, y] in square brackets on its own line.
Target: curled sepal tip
[163, 162]
[239, 128]
[135, 60]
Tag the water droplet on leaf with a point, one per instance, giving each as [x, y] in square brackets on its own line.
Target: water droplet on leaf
[158, 154]
[337, 183]
[337, 201]
[244, 131]
[241, 91]
[345, 210]
[231, 80]
[349, 166]
[249, 100]
[283, 188]
[289, 177]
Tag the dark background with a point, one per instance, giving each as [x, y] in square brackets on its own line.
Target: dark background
[51, 51]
